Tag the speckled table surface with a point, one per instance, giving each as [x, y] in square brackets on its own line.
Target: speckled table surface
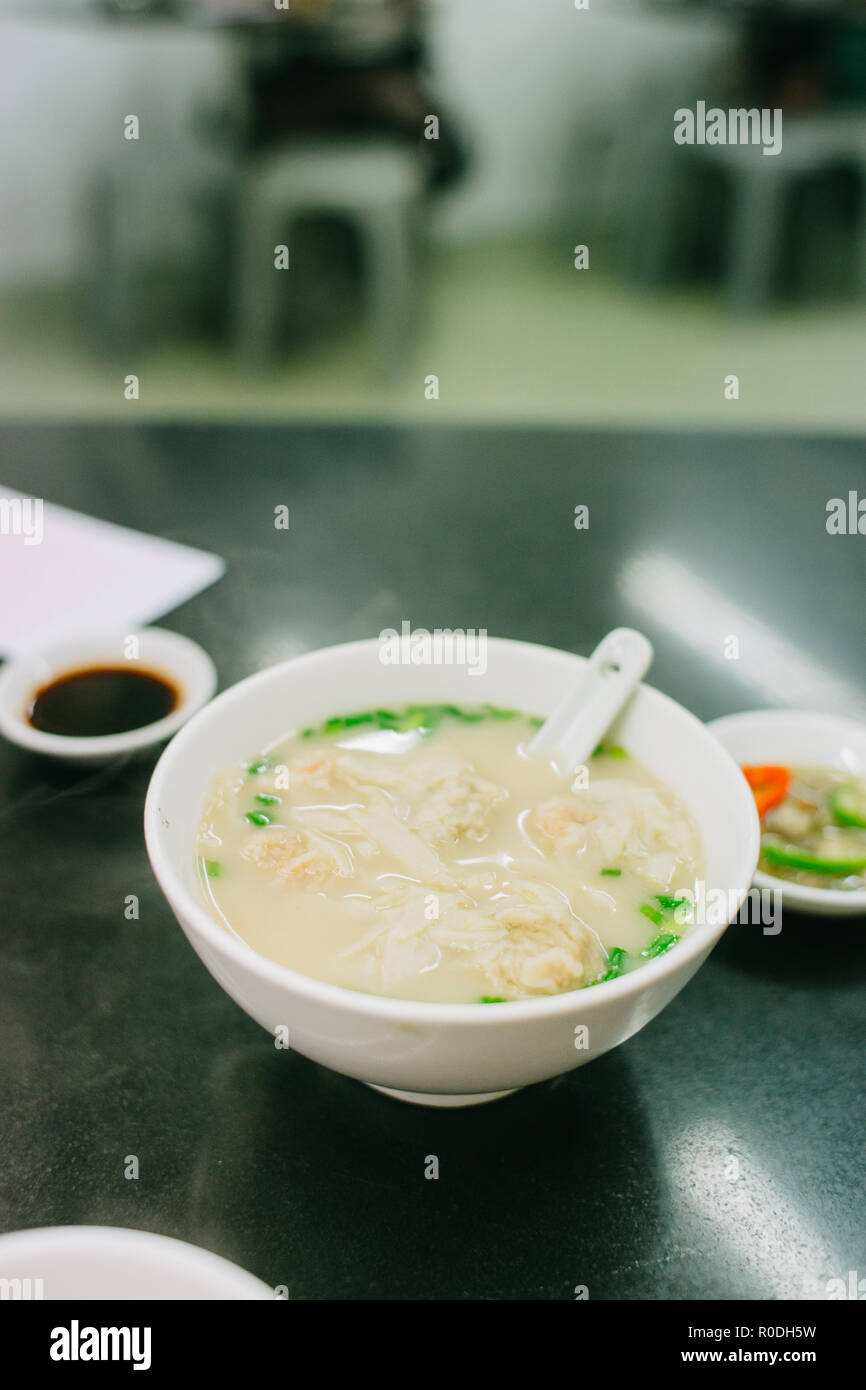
[718, 1154]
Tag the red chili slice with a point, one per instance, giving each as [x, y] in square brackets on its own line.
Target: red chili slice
[769, 785]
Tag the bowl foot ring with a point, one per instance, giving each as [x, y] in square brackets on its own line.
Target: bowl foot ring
[450, 1102]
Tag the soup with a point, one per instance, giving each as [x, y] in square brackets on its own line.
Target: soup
[813, 824]
[423, 854]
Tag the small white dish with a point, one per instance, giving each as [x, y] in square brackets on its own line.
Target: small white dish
[181, 661]
[110, 1262]
[431, 1053]
[799, 738]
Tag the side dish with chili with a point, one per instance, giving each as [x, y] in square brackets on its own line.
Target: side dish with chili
[813, 825]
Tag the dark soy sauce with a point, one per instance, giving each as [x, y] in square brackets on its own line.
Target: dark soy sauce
[101, 700]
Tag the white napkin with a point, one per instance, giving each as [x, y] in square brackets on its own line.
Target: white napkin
[63, 573]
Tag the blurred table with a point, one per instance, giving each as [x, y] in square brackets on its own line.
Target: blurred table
[718, 1154]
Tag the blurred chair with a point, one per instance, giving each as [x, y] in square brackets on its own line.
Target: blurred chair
[762, 186]
[760, 191]
[139, 187]
[373, 183]
[646, 166]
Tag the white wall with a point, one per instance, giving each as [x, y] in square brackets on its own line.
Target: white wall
[65, 88]
[522, 75]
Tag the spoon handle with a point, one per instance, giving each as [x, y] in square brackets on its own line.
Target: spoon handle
[586, 711]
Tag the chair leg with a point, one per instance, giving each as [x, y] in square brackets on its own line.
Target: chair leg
[390, 268]
[755, 237]
[214, 253]
[258, 282]
[112, 268]
[655, 206]
[861, 267]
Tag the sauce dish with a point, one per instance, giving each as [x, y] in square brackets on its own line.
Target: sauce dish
[175, 660]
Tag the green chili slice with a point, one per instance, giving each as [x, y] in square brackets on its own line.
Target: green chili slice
[789, 857]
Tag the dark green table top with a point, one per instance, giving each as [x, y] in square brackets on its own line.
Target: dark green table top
[718, 1154]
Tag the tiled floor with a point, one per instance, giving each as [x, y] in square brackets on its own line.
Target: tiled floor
[513, 332]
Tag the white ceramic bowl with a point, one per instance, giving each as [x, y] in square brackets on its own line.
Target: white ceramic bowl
[793, 737]
[165, 653]
[439, 1053]
[108, 1262]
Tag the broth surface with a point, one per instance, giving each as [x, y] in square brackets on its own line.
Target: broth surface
[444, 863]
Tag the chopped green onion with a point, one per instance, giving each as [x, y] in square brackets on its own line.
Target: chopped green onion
[663, 942]
[257, 818]
[653, 914]
[267, 800]
[670, 903]
[492, 999]
[416, 719]
[615, 965]
[261, 766]
[615, 962]
[421, 717]
[611, 873]
[535, 721]
[213, 868]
